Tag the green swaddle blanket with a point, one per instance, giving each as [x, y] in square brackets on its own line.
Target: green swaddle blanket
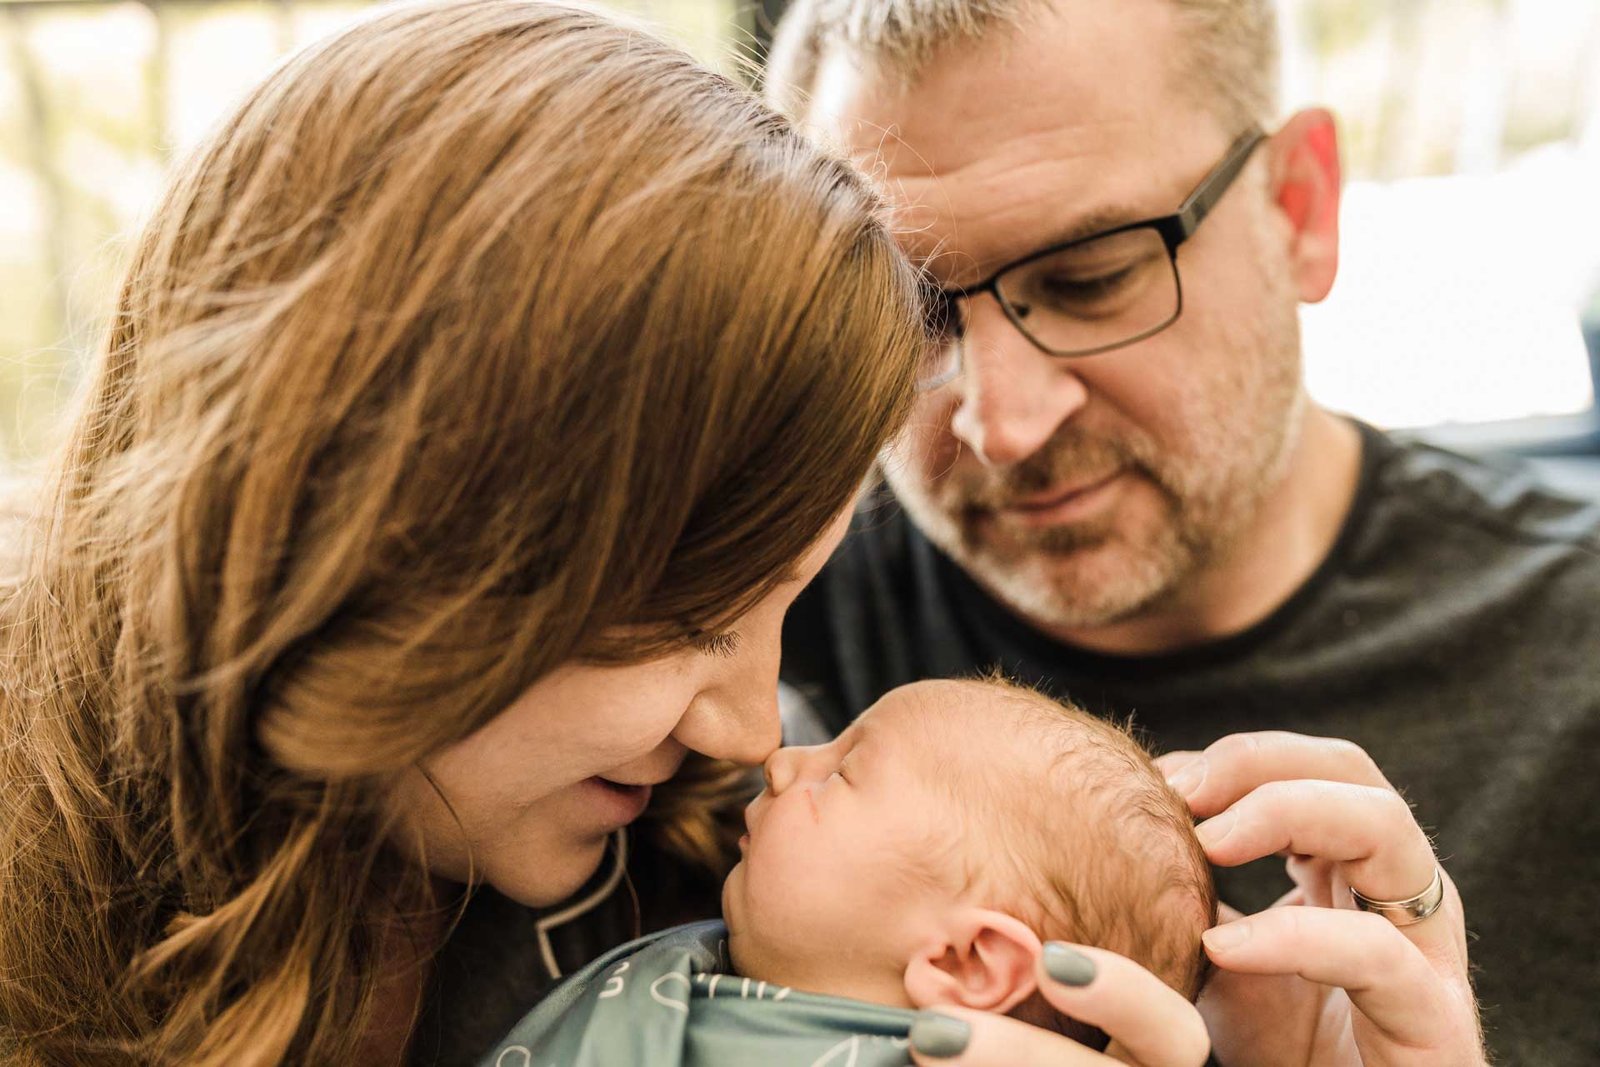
[668, 1000]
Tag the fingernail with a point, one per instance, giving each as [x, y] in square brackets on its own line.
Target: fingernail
[1188, 779]
[939, 1036]
[1228, 935]
[1067, 965]
[1214, 830]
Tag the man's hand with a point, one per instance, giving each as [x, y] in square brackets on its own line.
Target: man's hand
[1312, 980]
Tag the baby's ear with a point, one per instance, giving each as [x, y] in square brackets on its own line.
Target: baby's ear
[979, 959]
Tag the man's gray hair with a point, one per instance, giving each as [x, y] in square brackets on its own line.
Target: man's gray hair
[1232, 56]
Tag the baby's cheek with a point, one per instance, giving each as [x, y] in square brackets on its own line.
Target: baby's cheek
[812, 804]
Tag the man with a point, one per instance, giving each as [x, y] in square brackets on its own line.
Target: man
[1116, 487]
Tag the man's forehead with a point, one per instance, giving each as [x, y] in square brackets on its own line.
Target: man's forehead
[1060, 129]
[968, 223]
[979, 103]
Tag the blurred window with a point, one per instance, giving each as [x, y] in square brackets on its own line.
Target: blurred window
[1471, 132]
[1471, 223]
[95, 97]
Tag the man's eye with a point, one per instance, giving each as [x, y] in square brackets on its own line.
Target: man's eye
[1088, 288]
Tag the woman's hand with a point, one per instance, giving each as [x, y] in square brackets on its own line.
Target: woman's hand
[1150, 1024]
[1312, 980]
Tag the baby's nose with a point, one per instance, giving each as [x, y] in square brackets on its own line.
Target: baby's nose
[781, 769]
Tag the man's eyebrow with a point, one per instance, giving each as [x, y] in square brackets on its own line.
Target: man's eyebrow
[1098, 221]
[1088, 224]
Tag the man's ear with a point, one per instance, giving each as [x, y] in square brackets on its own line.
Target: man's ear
[1306, 179]
[980, 959]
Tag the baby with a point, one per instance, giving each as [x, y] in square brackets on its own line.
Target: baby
[919, 860]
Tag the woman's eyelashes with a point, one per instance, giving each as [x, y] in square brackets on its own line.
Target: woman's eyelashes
[724, 644]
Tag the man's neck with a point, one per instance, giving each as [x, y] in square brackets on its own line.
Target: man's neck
[1293, 531]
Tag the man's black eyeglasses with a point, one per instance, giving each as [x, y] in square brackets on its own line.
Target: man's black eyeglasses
[1092, 294]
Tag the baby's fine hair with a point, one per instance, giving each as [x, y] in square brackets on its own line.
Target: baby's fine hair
[1102, 852]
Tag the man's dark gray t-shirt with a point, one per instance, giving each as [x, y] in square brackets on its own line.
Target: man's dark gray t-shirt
[1453, 632]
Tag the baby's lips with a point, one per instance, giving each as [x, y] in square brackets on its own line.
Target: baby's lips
[750, 812]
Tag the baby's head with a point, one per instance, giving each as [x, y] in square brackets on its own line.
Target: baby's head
[922, 857]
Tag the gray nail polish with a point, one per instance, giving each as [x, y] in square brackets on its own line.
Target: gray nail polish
[1067, 965]
[938, 1035]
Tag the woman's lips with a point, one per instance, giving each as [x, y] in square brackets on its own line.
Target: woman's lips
[619, 802]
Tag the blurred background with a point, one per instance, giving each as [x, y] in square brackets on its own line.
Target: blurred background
[1468, 301]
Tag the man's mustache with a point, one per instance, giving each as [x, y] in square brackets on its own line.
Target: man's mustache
[1069, 459]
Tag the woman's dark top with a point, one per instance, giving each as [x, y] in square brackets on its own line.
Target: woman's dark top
[493, 968]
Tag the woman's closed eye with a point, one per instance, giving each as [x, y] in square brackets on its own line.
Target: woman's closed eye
[724, 644]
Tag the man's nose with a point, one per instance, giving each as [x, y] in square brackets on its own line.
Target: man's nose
[1013, 396]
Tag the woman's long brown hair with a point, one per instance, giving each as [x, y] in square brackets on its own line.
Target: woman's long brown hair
[478, 335]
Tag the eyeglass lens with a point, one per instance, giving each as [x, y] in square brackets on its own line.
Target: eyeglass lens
[1093, 295]
[1089, 297]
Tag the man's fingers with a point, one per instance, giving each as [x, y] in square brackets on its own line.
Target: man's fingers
[1226, 913]
[1314, 878]
[1239, 763]
[1369, 831]
[1388, 978]
[1171, 763]
[1324, 805]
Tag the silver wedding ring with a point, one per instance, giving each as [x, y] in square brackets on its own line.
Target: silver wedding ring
[1410, 911]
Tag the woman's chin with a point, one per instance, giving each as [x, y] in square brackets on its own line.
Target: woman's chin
[543, 882]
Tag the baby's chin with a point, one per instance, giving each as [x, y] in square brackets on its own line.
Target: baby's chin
[730, 895]
[739, 956]
[733, 918]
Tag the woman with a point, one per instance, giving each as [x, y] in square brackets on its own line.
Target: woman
[477, 401]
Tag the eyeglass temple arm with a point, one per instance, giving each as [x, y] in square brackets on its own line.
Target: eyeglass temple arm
[1209, 191]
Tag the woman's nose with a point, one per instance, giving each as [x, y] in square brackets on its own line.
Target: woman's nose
[746, 733]
[735, 717]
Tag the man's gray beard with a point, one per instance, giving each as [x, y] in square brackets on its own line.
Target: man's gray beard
[1037, 576]
[1055, 577]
